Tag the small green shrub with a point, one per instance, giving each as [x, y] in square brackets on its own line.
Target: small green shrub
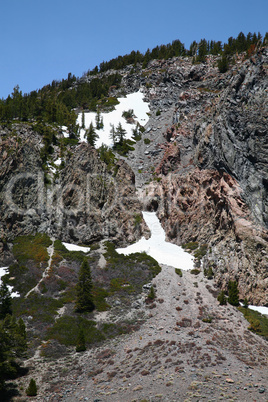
[192, 245]
[178, 271]
[147, 141]
[209, 273]
[208, 319]
[222, 299]
[158, 112]
[195, 271]
[32, 388]
[151, 294]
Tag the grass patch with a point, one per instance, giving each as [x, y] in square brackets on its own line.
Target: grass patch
[258, 322]
[31, 248]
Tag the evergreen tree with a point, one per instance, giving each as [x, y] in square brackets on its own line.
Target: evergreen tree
[99, 120]
[233, 293]
[112, 134]
[84, 298]
[32, 388]
[91, 135]
[12, 345]
[5, 301]
[81, 343]
[120, 134]
[223, 64]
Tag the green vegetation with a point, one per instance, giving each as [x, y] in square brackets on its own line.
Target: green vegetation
[258, 322]
[201, 251]
[233, 293]
[12, 346]
[120, 143]
[190, 246]
[222, 299]
[195, 271]
[208, 319]
[151, 294]
[32, 388]
[84, 298]
[91, 135]
[128, 114]
[208, 272]
[5, 301]
[66, 330]
[147, 141]
[31, 248]
[178, 271]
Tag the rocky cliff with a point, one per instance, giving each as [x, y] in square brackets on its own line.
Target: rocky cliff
[204, 171]
[212, 183]
[80, 201]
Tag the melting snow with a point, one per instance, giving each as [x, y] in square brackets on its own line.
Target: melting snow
[260, 309]
[73, 247]
[4, 271]
[133, 101]
[162, 251]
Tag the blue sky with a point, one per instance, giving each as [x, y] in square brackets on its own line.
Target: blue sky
[45, 40]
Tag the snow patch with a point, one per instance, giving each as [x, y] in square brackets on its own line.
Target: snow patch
[73, 247]
[4, 271]
[162, 251]
[260, 309]
[132, 101]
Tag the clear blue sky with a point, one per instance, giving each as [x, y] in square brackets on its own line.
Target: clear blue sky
[45, 40]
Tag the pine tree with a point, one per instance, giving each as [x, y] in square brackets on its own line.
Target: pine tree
[84, 298]
[99, 120]
[91, 135]
[223, 64]
[5, 301]
[32, 388]
[120, 134]
[233, 293]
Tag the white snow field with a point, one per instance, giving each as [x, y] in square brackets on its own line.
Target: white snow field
[162, 251]
[132, 101]
[73, 247]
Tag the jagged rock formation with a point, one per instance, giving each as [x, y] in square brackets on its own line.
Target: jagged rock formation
[84, 201]
[208, 152]
[214, 172]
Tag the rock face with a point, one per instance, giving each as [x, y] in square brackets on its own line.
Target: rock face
[206, 163]
[84, 201]
[215, 192]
